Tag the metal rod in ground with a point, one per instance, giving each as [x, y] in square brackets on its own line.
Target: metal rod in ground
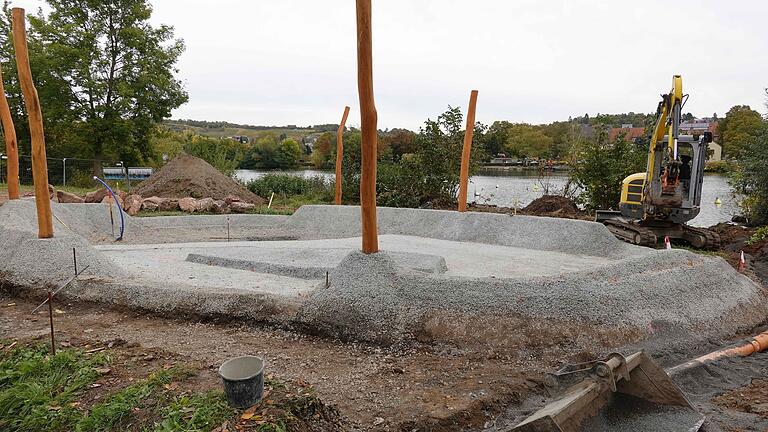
[50, 316]
[327, 280]
[111, 216]
[74, 259]
[227, 229]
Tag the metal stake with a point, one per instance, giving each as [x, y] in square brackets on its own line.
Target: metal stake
[227, 229]
[74, 259]
[50, 315]
[327, 280]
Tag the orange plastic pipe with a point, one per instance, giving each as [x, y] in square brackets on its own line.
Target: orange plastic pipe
[466, 151]
[340, 154]
[758, 343]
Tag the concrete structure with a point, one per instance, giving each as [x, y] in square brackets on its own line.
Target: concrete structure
[467, 279]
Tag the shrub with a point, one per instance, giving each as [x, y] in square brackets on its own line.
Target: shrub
[288, 184]
[600, 166]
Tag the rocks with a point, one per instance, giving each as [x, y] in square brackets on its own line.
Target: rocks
[96, 196]
[151, 203]
[219, 206]
[241, 207]
[69, 198]
[229, 199]
[108, 200]
[168, 204]
[51, 191]
[204, 205]
[133, 204]
[188, 205]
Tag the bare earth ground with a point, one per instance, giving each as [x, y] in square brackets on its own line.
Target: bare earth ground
[374, 388]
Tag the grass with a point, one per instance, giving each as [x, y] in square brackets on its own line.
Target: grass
[43, 392]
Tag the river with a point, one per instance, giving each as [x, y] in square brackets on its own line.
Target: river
[518, 188]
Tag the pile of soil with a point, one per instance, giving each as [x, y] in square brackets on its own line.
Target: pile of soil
[189, 176]
[733, 240]
[554, 206]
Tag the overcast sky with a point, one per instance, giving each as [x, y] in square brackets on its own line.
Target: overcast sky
[275, 62]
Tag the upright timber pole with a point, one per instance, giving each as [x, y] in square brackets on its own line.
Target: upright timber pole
[39, 163]
[368, 119]
[465, 153]
[11, 146]
[340, 153]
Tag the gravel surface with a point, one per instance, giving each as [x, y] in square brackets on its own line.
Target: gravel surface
[562, 275]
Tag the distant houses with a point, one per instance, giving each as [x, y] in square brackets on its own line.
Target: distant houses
[694, 127]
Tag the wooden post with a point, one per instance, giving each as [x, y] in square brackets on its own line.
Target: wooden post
[340, 153]
[465, 153]
[11, 146]
[39, 163]
[368, 120]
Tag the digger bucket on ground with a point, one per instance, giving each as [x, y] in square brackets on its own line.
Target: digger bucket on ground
[614, 394]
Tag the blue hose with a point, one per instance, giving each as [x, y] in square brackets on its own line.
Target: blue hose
[114, 197]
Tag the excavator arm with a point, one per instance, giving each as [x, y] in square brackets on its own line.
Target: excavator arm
[667, 123]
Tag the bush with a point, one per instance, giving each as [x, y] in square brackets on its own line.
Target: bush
[600, 166]
[750, 178]
[721, 167]
[288, 184]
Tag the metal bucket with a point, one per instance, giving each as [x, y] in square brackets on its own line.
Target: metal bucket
[243, 380]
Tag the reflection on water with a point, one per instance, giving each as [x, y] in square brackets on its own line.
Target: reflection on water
[518, 188]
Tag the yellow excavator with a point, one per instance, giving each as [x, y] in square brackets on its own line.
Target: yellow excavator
[658, 203]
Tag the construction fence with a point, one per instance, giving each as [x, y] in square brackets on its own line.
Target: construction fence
[74, 172]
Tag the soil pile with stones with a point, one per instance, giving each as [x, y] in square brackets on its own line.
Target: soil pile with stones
[189, 176]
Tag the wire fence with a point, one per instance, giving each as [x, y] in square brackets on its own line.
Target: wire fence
[61, 171]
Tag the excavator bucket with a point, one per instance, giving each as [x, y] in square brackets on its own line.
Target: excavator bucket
[614, 394]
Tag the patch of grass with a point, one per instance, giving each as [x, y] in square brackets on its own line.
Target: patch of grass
[117, 408]
[199, 412]
[37, 390]
[40, 392]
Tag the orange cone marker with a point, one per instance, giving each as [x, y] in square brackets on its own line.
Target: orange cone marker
[667, 243]
[742, 262]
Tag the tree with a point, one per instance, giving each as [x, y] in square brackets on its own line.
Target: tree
[288, 154]
[740, 127]
[323, 149]
[106, 76]
[599, 167]
[524, 140]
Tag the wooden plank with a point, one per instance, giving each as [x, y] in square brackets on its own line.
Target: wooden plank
[11, 145]
[39, 163]
[368, 126]
[466, 151]
[340, 153]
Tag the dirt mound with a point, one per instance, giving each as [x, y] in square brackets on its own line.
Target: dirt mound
[188, 176]
[554, 206]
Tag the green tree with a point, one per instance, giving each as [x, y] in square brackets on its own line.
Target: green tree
[288, 154]
[105, 76]
[740, 127]
[599, 166]
[524, 140]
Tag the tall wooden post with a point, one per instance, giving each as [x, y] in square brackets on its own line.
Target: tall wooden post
[467, 150]
[340, 153]
[39, 163]
[368, 120]
[11, 146]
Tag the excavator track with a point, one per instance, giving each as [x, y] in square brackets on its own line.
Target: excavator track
[632, 233]
[701, 238]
